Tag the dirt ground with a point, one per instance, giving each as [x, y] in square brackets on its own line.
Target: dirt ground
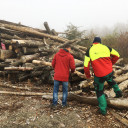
[35, 112]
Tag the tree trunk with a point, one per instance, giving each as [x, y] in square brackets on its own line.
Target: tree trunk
[122, 86]
[120, 103]
[18, 68]
[5, 54]
[27, 50]
[41, 62]
[27, 43]
[121, 78]
[32, 32]
[47, 28]
[29, 58]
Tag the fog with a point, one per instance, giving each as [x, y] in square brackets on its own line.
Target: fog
[99, 15]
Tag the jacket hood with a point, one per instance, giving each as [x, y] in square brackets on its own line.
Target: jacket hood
[63, 53]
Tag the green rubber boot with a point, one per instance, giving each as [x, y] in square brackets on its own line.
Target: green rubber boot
[102, 104]
[117, 91]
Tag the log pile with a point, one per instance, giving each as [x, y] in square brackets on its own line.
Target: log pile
[26, 53]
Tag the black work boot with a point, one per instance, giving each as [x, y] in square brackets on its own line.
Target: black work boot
[118, 94]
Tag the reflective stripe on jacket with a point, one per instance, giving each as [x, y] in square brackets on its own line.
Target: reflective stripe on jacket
[102, 58]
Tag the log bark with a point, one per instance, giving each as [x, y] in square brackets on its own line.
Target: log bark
[9, 37]
[41, 62]
[18, 68]
[5, 54]
[32, 32]
[118, 72]
[118, 117]
[121, 78]
[54, 32]
[36, 73]
[44, 95]
[24, 77]
[27, 50]
[29, 58]
[27, 43]
[78, 50]
[81, 75]
[10, 61]
[122, 86]
[81, 47]
[21, 88]
[119, 103]
[17, 63]
[121, 59]
[78, 55]
[47, 27]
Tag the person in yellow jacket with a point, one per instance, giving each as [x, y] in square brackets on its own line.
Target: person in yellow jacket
[101, 58]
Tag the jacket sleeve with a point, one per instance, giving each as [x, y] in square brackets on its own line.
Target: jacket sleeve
[87, 65]
[54, 62]
[114, 56]
[72, 64]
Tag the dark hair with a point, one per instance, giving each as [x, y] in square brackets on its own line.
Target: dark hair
[67, 46]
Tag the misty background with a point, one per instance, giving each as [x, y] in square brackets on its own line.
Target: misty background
[100, 16]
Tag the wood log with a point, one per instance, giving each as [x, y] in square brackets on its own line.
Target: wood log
[9, 37]
[121, 78]
[24, 77]
[10, 61]
[29, 58]
[3, 73]
[9, 31]
[36, 73]
[3, 64]
[47, 28]
[119, 103]
[121, 59]
[78, 55]
[81, 47]
[21, 88]
[27, 50]
[32, 32]
[36, 93]
[85, 84]
[118, 117]
[80, 69]
[5, 54]
[118, 79]
[78, 50]
[29, 65]
[17, 63]
[81, 75]
[54, 32]
[27, 43]
[122, 86]
[18, 68]
[41, 62]
[118, 72]
[125, 67]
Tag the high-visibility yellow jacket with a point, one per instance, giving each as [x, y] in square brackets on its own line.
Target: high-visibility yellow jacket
[102, 58]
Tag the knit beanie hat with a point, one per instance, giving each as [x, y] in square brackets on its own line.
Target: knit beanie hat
[97, 39]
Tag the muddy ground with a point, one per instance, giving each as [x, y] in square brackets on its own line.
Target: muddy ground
[35, 112]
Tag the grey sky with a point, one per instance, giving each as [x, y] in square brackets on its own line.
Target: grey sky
[59, 13]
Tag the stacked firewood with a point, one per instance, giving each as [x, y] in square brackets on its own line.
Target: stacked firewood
[26, 53]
